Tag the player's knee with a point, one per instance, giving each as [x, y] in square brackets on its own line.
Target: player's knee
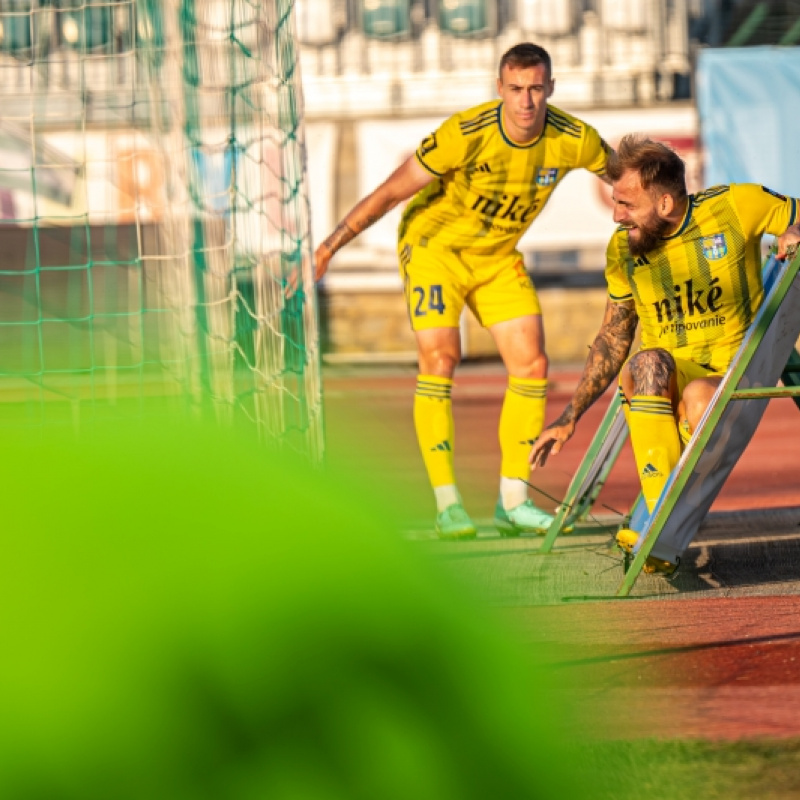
[694, 413]
[651, 358]
[652, 372]
[439, 361]
[696, 397]
[534, 367]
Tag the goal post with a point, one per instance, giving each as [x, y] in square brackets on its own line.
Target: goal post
[155, 214]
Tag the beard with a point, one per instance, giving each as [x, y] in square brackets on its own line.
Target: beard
[651, 232]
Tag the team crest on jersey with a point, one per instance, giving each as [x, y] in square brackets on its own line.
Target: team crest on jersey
[715, 246]
[546, 176]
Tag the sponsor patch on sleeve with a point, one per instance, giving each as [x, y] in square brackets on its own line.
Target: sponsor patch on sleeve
[774, 194]
[428, 144]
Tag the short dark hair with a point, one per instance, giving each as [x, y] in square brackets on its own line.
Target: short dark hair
[659, 166]
[524, 56]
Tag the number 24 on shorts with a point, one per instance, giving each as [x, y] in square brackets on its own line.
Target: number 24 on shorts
[435, 300]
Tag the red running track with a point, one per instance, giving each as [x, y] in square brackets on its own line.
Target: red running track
[369, 422]
[713, 668]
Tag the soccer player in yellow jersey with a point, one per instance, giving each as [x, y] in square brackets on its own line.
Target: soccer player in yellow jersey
[478, 182]
[688, 268]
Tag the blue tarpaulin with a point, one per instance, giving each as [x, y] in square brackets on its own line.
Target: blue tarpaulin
[749, 105]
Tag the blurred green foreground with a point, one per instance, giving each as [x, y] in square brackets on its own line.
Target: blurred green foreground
[187, 615]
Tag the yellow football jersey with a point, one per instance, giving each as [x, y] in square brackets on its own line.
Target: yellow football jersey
[698, 291]
[488, 188]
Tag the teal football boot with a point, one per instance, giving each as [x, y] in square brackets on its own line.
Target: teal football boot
[454, 523]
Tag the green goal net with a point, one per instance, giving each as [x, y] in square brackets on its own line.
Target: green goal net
[155, 245]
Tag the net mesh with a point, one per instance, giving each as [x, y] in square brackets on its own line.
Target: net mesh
[155, 216]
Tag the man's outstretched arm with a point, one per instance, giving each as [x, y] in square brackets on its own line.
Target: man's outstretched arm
[606, 357]
[404, 182]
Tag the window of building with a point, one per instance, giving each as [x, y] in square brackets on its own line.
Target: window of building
[385, 19]
[465, 17]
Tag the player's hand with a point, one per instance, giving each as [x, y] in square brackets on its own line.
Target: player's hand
[292, 281]
[550, 442]
[322, 259]
[788, 242]
[296, 276]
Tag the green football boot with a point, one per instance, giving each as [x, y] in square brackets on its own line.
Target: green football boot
[524, 518]
[454, 523]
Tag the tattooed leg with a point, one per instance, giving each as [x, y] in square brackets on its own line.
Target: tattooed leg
[654, 434]
[653, 373]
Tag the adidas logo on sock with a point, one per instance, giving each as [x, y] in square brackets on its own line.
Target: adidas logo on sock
[530, 442]
[445, 445]
[650, 472]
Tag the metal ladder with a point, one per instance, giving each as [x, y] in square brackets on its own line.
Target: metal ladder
[767, 354]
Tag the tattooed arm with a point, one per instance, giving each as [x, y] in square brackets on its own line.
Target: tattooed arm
[606, 357]
[404, 182]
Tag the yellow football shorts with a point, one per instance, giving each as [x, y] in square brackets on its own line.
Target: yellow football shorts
[688, 371]
[438, 283]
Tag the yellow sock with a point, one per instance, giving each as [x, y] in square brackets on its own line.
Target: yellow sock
[521, 421]
[684, 433]
[433, 420]
[656, 445]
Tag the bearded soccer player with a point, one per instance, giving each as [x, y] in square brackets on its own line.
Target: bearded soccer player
[478, 182]
[688, 267]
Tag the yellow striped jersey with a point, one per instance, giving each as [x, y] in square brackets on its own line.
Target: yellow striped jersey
[697, 292]
[488, 188]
